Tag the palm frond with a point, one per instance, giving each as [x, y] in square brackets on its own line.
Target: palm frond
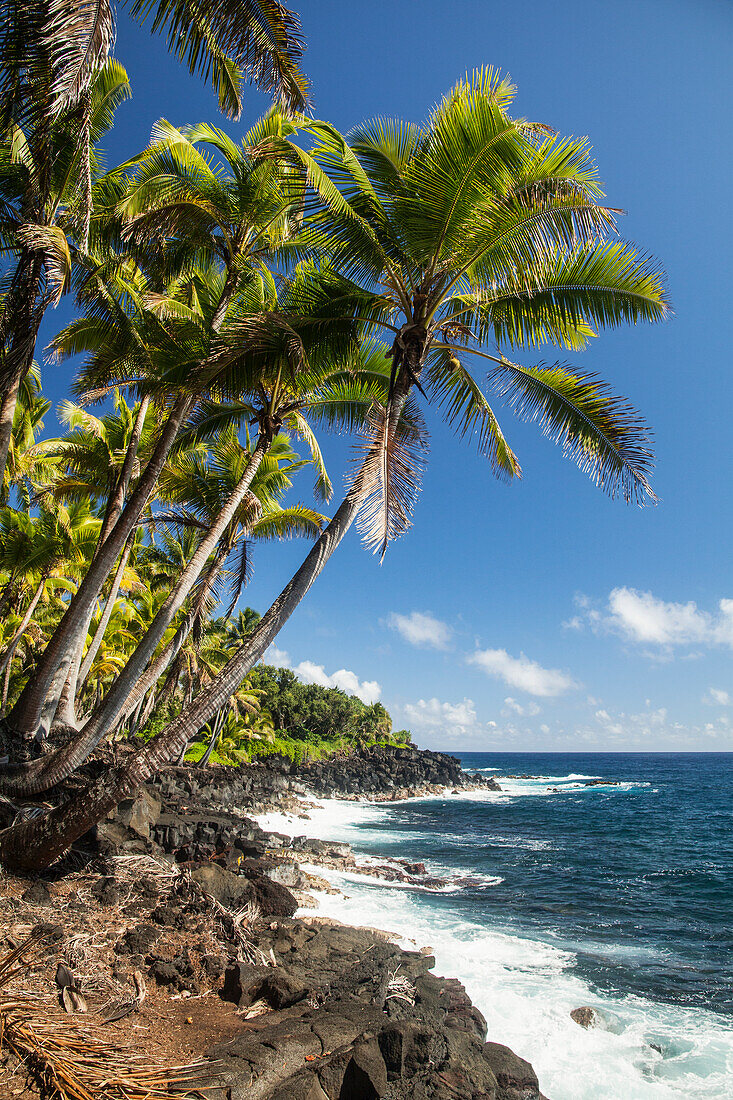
[215, 38]
[79, 36]
[603, 434]
[466, 409]
[392, 458]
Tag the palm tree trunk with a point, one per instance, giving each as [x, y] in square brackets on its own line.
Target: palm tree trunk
[52, 670]
[65, 717]
[31, 845]
[6, 685]
[214, 739]
[66, 711]
[7, 413]
[19, 324]
[119, 493]
[130, 686]
[106, 614]
[161, 662]
[171, 681]
[8, 596]
[7, 656]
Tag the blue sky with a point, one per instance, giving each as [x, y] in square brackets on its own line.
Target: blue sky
[540, 615]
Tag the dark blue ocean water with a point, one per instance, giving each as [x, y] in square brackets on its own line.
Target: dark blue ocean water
[636, 880]
[617, 895]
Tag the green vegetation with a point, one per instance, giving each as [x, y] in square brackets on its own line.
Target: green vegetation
[275, 713]
[234, 299]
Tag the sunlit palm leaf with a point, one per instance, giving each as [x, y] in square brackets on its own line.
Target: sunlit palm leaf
[466, 409]
[602, 433]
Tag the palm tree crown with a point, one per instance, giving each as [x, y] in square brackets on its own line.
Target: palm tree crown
[471, 228]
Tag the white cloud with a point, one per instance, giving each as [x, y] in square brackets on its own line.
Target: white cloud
[653, 727]
[643, 619]
[452, 719]
[527, 710]
[521, 673]
[716, 697]
[421, 629]
[368, 691]
[278, 657]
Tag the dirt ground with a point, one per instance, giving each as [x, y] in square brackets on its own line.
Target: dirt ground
[171, 1027]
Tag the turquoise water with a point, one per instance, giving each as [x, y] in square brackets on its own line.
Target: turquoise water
[618, 895]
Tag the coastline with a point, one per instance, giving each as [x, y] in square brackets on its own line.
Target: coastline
[351, 1014]
[326, 874]
[527, 984]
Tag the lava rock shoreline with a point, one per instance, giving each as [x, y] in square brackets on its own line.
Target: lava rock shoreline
[328, 1011]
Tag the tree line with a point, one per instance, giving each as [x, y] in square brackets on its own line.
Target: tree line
[234, 300]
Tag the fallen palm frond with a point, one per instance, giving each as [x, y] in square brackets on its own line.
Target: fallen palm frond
[77, 1061]
[400, 988]
[237, 926]
[120, 1009]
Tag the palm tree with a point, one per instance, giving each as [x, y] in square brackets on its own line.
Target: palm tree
[479, 227]
[474, 225]
[97, 461]
[176, 344]
[41, 161]
[55, 544]
[58, 92]
[204, 487]
[225, 41]
[28, 462]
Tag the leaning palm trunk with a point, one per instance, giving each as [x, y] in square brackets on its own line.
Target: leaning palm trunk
[7, 413]
[66, 711]
[130, 686]
[99, 633]
[216, 729]
[44, 689]
[172, 649]
[117, 496]
[34, 844]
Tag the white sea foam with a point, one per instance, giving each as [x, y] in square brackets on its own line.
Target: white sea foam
[545, 785]
[527, 988]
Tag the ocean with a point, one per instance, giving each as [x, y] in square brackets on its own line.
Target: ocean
[560, 894]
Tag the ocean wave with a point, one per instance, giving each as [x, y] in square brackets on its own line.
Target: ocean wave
[545, 785]
[527, 988]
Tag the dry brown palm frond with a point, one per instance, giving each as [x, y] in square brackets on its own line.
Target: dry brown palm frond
[257, 1008]
[118, 1010]
[392, 457]
[76, 1060]
[17, 961]
[79, 35]
[400, 988]
[237, 926]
